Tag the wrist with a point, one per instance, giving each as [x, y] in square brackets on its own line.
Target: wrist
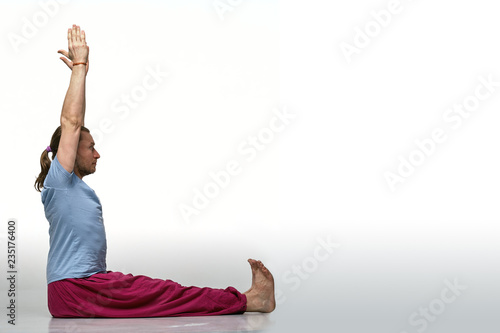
[79, 63]
[79, 69]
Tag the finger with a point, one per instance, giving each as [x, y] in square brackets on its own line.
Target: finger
[78, 33]
[67, 62]
[69, 38]
[73, 33]
[64, 53]
[83, 37]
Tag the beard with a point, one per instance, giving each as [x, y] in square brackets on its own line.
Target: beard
[84, 170]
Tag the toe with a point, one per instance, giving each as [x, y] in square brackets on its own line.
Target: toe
[253, 264]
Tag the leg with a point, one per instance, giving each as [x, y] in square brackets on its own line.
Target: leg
[116, 295]
[260, 296]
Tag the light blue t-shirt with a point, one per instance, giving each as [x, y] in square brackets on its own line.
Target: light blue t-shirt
[77, 235]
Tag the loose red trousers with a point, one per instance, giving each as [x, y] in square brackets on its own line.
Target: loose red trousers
[116, 295]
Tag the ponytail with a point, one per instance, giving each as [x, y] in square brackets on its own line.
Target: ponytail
[45, 161]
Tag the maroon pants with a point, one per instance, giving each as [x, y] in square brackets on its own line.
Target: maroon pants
[116, 295]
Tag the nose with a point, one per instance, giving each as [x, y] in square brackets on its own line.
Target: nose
[96, 154]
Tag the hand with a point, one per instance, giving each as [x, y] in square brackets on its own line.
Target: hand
[78, 51]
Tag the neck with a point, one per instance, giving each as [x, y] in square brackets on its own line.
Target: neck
[78, 174]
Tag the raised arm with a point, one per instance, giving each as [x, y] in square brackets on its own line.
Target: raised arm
[73, 111]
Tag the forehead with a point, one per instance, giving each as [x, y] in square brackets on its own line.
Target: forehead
[86, 138]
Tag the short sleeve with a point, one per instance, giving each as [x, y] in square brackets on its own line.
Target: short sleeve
[57, 176]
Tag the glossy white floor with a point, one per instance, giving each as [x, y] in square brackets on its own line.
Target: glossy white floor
[36, 322]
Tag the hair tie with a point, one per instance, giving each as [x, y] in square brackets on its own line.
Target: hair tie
[48, 149]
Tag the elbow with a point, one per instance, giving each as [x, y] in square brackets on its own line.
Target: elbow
[74, 122]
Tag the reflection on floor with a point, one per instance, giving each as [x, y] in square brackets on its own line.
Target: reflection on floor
[232, 323]
[229, 323]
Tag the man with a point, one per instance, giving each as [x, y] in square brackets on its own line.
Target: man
[78, 283]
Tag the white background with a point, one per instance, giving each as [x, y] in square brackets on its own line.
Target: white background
[320, 178]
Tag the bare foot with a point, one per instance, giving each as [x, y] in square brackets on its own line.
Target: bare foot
[260, 296]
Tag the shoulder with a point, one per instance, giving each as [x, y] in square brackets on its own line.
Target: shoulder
[57, 177]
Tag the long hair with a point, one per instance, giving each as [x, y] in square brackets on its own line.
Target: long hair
[45, 161]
